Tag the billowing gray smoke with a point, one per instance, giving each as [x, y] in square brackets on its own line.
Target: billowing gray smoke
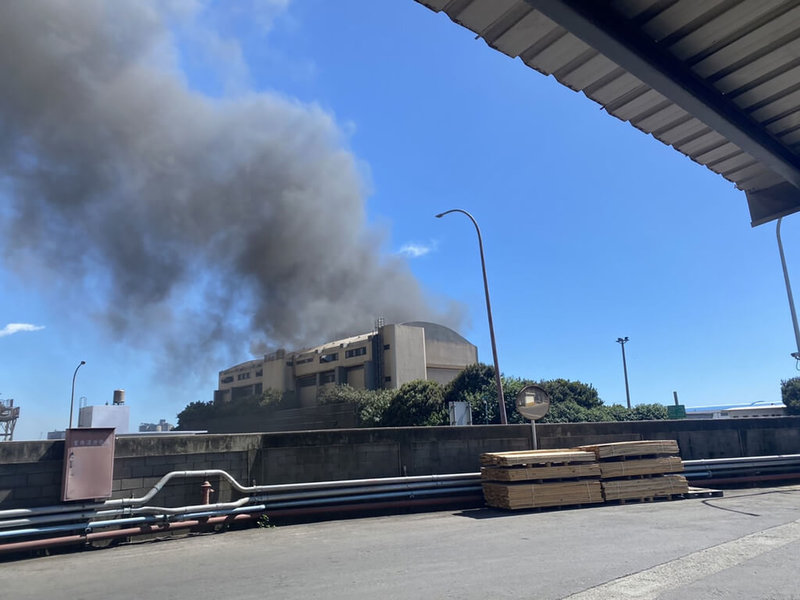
[192, 221]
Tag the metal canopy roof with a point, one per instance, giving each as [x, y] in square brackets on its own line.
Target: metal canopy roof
[718, 80]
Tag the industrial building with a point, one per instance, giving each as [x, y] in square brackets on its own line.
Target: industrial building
[385, 358]
[117, 415]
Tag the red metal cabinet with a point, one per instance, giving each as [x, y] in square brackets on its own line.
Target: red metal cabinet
[88, 463]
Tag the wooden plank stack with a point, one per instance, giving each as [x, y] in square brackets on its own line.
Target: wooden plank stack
[641, 470]
[540, 478]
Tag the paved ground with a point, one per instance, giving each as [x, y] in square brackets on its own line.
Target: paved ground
[745, 545]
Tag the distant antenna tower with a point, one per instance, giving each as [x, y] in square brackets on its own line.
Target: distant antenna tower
[8, 420]
[379, 322]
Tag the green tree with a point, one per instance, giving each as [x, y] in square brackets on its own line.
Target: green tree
[790, 394]
[648, 412]
[197, 415]
[370, 404]
[561, 390]
[566, 411]
[475, 385]
[616, 412]
[417, 403]
[195, 412]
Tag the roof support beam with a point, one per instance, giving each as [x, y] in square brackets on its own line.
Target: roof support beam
[596, 24]
[771, 203]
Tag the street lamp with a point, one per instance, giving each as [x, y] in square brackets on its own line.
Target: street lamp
[72, 396]
[500, 399]
[795, 355]
[621, 342]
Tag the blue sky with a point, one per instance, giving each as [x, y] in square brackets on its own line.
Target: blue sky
[592, 230]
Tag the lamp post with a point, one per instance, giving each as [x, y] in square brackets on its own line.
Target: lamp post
[795, 355]
[72, 396]
[621, 342]
[500, 399]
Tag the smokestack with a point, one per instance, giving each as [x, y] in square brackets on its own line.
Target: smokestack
[208, 223]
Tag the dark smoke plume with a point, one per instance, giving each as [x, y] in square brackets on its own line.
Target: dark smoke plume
[183, 220]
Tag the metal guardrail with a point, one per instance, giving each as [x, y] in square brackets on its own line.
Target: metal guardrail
[753, 468]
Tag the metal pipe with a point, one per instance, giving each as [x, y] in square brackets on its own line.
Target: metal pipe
[333, 495]
[500, 397]
[105, 535]
[283, 487]
[461, 501]
[150, 519]
[330, 497]
[332, 491]
[329, 492]
[360, 489]
[360, 497]
[795, 355]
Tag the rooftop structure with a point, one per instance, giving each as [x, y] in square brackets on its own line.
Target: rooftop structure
[738, 411]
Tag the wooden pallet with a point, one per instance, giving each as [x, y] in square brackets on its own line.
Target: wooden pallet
[696, 492]
[515, 496]
[523, 473]
[644, 466]
[641, 489]
[535, 457]
[639, 448]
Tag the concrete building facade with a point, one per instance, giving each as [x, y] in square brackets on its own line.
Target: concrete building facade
[382, 359]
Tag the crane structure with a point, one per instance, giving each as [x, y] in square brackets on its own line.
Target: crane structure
[8, 420]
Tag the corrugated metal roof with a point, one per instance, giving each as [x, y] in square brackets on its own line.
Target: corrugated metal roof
[718, 80]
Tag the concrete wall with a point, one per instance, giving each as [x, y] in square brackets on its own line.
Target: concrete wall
[405, 358]
[385, 452]
[30, 472]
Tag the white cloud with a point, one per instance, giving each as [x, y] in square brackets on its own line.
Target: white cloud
[12, 328]
[414, 250]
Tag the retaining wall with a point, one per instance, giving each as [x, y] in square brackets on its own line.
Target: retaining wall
[30, 472]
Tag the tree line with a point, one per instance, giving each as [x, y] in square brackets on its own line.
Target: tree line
[425, 403]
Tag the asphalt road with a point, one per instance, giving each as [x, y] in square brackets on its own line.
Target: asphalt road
[744, 545]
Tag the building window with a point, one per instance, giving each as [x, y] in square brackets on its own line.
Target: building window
[386, 346]
[355, 352]
[388, 378]
[259, 373]
[326, 358]
[327, 377]
[307, 381]
[241, 376]
[228, 379]
[303, 361]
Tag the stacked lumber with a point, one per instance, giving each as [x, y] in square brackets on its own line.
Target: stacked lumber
[643, 466]
[640, 470]
[540, 478]
[640, 448]
[519, 495]
[644, 489]
[529, 473]
[536, 457]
